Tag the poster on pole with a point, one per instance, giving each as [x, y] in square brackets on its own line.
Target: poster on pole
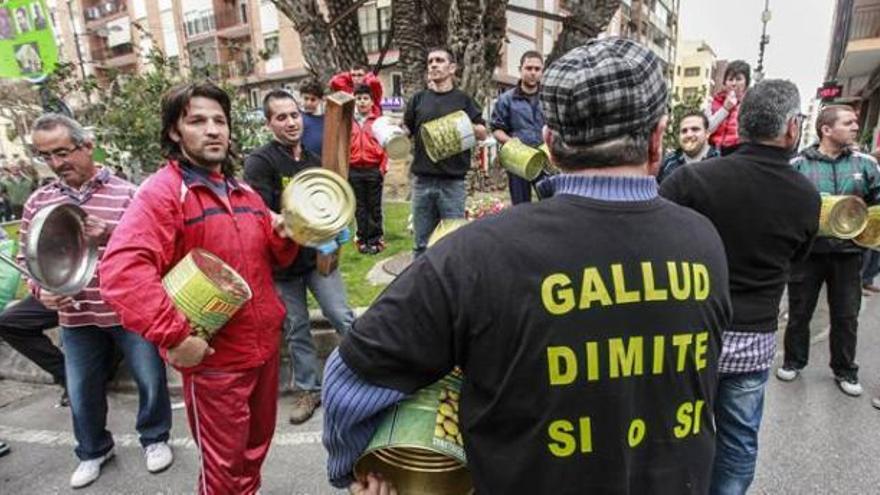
[27, 43]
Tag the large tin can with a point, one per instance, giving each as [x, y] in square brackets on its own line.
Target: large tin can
[392, 138]
[448, 136]
[418, 446]
[870, 237]
[521, 160]
[207, 290]
[844, 217]
[317, 205]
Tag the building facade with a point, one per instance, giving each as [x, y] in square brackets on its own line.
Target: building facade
[694, 71]
[255, 47]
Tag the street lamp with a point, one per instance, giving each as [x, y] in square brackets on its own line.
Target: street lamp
[765, 39]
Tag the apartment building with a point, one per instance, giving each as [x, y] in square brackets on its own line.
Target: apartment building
[694, 70]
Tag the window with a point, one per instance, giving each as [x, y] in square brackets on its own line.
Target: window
[254, 98]
[198, 22]
[396, 84]
[375, 25]
[691, 72]
[242, 11]
[678, 70]
[270, 43]
[690, 93]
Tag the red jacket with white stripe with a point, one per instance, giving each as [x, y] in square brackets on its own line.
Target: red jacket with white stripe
[104, 196]
[365, 150]
[175, 211]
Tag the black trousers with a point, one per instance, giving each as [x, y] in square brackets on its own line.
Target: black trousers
[22, 327]
[367, 184]
[842, 274]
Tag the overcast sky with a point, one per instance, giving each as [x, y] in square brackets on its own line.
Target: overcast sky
[800, 34]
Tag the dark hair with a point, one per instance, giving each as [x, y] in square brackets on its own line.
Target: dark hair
[766, 110]
[829, 115]
[312, 87]
[694, 112]
[363, 89]
[738, 67]
[530, 54]
[174, 104]
[360, 66]
[443, 49]
[276, 94]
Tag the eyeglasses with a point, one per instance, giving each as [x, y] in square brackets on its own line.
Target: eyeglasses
[60, 153]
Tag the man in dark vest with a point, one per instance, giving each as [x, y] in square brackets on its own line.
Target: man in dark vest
[602, 377]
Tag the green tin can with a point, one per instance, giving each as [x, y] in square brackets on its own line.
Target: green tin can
[418, 447]
[448, 136]
[207, 290]
[521, 160]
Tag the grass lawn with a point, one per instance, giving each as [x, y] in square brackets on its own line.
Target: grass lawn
[355, 265]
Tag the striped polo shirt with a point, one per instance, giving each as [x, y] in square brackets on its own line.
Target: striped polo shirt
[104, 196]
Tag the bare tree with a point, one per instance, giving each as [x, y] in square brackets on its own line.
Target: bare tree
[326, 50]
[586, 19]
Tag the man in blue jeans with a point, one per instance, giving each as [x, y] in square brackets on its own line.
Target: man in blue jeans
[268, 169]
[767, 214]
[89, 327]
[438, 188]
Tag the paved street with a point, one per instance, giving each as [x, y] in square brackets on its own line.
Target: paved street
[814, 440]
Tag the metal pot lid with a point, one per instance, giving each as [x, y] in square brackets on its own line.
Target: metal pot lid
[58, 254]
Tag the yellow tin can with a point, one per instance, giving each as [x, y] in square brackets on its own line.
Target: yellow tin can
[870, 237]
[844, 217]
[206, 290]
[444, 227]
[448, 136]
[521, 160]
[317, 205]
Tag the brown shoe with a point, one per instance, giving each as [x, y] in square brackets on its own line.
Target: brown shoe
[871, 287]
[304, 404]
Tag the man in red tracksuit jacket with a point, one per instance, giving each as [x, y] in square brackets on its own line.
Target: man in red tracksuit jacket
[365, 174]
[193, 201]
[359, 74]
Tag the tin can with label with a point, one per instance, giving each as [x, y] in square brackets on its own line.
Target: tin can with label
[521, 160]
[447, 136]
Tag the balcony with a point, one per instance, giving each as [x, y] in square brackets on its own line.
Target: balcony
[116, 57]
[862, 54]
[100, 11]
[228, 23]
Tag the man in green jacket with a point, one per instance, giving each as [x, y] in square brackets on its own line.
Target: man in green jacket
[17, 186]
[834, 168]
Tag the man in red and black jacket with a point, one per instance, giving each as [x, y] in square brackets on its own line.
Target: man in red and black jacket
[230, 384]
[367, 166]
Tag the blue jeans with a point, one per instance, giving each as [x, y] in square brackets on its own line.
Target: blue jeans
[434, 198]
[870, 266]
[88, 356]
[330, 294]
[739, 407]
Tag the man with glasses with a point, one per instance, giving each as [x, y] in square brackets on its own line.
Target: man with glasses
[767, 215]
[89, 327]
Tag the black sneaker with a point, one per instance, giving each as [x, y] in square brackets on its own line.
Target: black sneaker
[64, 400]
[4, 449]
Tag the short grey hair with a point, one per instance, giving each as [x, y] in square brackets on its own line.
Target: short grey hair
[629, 149]
[49, 121]
[767, 109]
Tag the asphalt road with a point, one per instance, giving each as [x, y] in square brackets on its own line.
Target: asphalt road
[814, 439]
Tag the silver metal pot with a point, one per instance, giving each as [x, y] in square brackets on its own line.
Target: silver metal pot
[58, 255]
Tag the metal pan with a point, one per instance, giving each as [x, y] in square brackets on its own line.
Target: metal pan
[58, 255]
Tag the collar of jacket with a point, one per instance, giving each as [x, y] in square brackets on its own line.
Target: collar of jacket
[519, 93]
[188, 179]
[813, 153]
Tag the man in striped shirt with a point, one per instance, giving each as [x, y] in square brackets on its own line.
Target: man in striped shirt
[89, 327]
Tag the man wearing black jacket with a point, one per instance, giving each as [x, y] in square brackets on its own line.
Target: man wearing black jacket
[268, 170]
[767, 214]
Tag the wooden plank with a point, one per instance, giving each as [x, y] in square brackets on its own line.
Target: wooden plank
[338, 113]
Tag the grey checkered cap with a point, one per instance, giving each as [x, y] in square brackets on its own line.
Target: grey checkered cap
[604, 89]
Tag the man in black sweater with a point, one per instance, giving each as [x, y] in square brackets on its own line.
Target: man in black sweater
[767, 214]
[268, 169]
[438, 188]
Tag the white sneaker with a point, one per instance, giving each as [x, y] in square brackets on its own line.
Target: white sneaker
[875, 402]
[159, 457]
[88, 471]
[787, 374]
[849, 386]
